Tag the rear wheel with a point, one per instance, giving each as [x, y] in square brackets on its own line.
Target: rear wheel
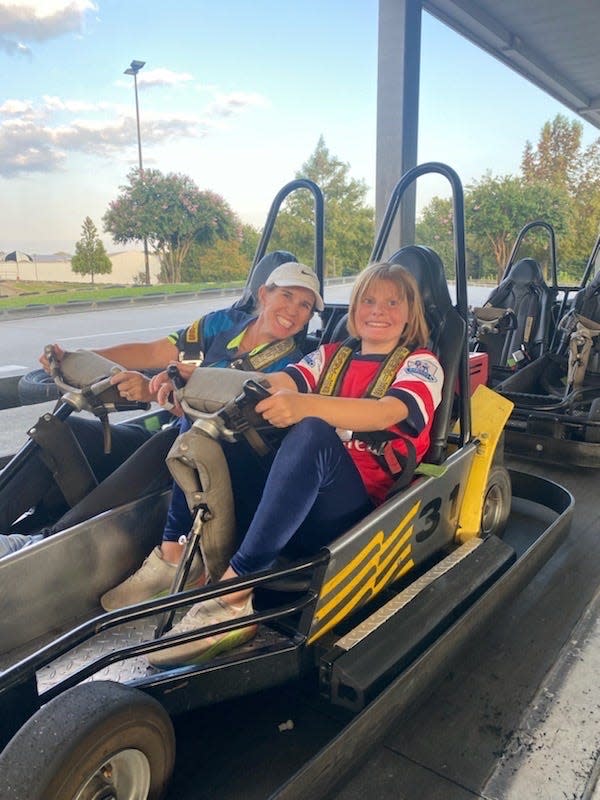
[98, 741]
[496, 502]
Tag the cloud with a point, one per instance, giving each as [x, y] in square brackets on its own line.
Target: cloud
[225, 105]
[162, 77]
[39, 137]
[12, 107]
[38, 21]
[28, 147]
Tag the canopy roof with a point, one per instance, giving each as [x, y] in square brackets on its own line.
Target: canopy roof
[553, 44]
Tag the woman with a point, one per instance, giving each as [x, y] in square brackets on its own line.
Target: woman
[303, 508]
[226, 338]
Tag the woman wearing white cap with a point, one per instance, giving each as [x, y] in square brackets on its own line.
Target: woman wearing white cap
[226, 338]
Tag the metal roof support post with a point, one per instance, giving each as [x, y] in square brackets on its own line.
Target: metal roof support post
[399, 55]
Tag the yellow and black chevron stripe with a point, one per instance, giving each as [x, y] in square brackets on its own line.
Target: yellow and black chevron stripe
[383, 559]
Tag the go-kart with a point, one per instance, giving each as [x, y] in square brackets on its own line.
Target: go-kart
[83, 714]
[516, 324]
[557, 395]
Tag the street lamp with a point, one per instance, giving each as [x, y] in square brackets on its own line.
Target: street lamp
[133, 69]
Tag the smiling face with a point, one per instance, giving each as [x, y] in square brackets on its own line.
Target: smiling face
[285, 310]
[380, 317]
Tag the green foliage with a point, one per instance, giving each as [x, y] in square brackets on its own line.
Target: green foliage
[434, 229]
[560, 159]
[90, 255]
[559, 184]
[226, 259]
[172, 213]
[349, 223]
[496, 208]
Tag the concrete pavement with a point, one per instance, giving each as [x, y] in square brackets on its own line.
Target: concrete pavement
[555, 752]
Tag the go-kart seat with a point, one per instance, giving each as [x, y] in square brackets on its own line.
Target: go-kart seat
[524, 296]
[587, 300]
[258, 276]
[447, 331]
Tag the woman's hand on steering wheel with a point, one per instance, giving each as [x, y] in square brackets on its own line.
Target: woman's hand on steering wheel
[132, 386]
[58, 354]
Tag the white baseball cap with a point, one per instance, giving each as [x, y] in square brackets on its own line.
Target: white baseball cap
[294, 274]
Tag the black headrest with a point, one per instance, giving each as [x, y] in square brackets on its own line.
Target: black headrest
[259, 275]
[527, 270]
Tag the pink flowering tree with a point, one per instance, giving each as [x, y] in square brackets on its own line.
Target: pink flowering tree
[172, 213]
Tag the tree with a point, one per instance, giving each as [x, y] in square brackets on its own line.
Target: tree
[559, 159]
[556, 158]
[225, 260]
[90, 255]
[496, 208]
[435, 229]
[349, 222]
[172, 213]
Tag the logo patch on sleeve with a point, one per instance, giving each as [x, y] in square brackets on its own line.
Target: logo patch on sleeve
[422, 368]
[313, 359]
[191, 335]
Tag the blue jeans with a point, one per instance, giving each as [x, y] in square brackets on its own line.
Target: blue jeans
[312, 494]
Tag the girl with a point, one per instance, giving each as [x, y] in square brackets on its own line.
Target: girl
[358, 414]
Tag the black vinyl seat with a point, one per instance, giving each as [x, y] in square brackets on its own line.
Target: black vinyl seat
[513, 326]
[247, 302]
[447, 331]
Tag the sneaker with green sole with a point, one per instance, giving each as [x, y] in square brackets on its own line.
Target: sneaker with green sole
[200, 615]
[152, 580]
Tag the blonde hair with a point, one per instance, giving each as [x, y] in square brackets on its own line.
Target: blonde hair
[416, 332]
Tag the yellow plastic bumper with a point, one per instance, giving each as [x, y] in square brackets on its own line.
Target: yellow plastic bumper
[489, 413]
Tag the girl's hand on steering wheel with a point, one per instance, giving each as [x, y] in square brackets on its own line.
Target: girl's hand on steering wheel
[282, 409]
[163, 391]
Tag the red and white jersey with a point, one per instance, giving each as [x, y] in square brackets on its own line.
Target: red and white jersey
[418, 383]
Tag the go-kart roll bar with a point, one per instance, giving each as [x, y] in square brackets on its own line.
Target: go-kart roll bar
[319, 204]
[460, 267]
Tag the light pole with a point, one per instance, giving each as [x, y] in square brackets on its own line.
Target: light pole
[133, 69]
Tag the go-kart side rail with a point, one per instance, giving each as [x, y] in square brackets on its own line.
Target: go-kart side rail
[331, 766]
[24, 669]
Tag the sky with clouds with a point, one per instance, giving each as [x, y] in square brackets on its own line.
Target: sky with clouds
[234, 94]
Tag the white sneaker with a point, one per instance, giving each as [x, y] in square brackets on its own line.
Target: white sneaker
[153, 579]
[207, 612]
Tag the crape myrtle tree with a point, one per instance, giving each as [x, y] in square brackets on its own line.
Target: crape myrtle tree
[349, 222]
[90, 255]
[172, 213]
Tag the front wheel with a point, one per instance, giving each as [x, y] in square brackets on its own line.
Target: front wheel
[97, 740]
[496, 502]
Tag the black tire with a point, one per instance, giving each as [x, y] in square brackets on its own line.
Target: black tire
[37, 387]
[496, 502]
[98, 735]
